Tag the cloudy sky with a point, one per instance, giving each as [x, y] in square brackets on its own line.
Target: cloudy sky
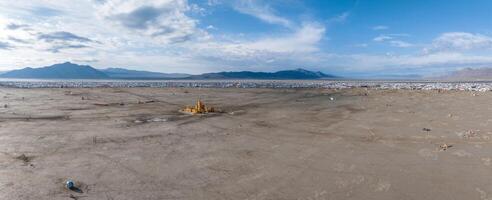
[344, 37]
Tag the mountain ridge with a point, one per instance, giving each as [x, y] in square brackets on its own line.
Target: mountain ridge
[283, 74]
[122, 73]
[68, 70]
[468, 73]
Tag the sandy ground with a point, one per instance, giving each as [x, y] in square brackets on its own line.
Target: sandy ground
[267, 144]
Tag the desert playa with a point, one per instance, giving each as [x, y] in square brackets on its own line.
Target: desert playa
[307, 144]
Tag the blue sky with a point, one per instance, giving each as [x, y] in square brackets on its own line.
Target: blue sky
[344, 37]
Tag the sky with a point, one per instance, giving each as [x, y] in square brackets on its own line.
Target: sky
[341, 37]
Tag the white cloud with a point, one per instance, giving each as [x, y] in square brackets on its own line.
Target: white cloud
[382, 38]
[291, 50]
[459, 41]
[163, 19]
[380, 27]
[168, 38]
[392, 40]
[303, 40]
[165, 37]
[213, 2]
[261, 11]
[340, 18]
[399, 43]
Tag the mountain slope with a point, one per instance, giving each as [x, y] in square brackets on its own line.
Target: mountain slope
[69, 70]
[470, 74]
[286, 74]
[65, 70]
[120, 73]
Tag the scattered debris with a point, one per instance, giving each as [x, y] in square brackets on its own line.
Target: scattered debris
[382, 186]
[75, 197]
[237, 112]
[71, 93]
[157, 120]
[109, 104]
[144, 102]
[148, 120]
[101, 104]
[41, 117]
[24, 158]
[426, 129]
[469, 134]
[444, 147]
[69, 184]
[199, 108]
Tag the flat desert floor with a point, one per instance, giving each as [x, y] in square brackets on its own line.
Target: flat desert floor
[307, 144]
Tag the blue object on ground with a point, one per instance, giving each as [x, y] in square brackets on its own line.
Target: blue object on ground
[69, 184]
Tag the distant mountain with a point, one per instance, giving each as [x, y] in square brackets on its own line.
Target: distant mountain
[286, 74]
[378, 76]
[65, 70]
[120, 73]
[69, 70]
[469, 74]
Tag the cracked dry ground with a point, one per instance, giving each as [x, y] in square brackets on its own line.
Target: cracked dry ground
[132, 143]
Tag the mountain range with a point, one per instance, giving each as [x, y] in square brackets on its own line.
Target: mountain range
[57, 71]
[469, 74]
[69, 70]
[120, 73]
[285, 74]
